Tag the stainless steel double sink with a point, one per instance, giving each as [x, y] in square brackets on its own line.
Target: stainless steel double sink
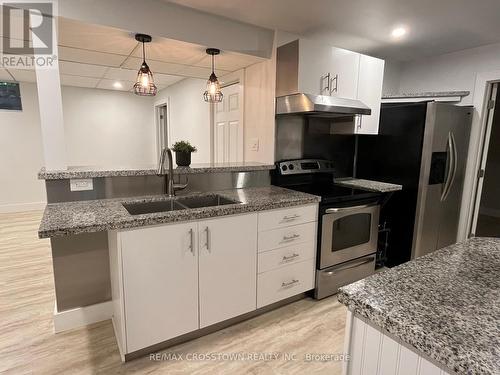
[141, 208]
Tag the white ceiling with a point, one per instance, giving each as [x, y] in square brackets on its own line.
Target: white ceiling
[435, 26]
[108, 58]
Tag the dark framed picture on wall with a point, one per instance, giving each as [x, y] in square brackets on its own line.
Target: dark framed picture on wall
[10, 96]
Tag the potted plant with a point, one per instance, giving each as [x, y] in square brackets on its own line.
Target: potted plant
[183, 150]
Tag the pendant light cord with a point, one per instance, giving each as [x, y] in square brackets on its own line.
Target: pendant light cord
[143, 53]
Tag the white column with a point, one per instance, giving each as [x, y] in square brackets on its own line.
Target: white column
[51, 113]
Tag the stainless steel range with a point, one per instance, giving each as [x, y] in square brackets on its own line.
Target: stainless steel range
[347, 223]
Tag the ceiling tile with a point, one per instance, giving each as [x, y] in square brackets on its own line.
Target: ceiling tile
[230, 61]
[90, 57]
[166, 80]
[199, 72]
[95, 37]
[23, 75]
[83, 70]
[134, 63]
[5, 76]
[170, 50]
[121, 74]
[67, 80]
[109, 84]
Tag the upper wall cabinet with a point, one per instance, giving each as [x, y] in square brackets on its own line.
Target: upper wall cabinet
[306, 66]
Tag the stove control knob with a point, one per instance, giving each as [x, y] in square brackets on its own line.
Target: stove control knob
[290, 167]
[284, 168]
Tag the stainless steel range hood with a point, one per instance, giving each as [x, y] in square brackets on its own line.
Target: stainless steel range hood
[319, 105]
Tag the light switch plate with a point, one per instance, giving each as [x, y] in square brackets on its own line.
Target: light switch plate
[81, 184]
[254, 144]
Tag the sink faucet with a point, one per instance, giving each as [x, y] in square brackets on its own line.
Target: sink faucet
[170, 187]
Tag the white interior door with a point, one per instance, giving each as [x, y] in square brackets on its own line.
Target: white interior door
[228, 126]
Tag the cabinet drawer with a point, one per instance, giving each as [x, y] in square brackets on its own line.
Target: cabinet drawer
[283, 237]
[287, 216]
[273, 286]
[270, 260]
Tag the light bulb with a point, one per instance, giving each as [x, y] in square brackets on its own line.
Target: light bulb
[144, 80]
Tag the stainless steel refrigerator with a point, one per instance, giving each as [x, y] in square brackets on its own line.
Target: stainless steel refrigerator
[422, 146]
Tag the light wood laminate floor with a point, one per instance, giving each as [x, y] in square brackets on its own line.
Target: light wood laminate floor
[29, 346]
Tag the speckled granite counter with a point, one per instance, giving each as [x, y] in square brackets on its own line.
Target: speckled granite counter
[148, 170]
[445, 304]
[426, 94]
[377, 186]
[60, 219]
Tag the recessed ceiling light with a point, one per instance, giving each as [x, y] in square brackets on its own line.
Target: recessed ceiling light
[117, 85]
[399, 32]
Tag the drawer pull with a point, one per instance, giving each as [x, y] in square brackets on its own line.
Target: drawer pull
[290, 218]
[288, 258]
[289, 284]
[291, 237]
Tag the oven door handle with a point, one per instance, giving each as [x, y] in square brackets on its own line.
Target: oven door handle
[352, 208]
[350, 265]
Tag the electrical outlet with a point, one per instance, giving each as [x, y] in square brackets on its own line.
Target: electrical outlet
[81, 184]
[254, 144]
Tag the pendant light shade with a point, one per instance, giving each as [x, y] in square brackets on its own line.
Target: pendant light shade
[213, 93]
[144, 85]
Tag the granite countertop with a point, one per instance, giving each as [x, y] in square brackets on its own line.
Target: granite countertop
[377, 186]
[445, 304]
[60, 219]
[425, 94]
[147, 170]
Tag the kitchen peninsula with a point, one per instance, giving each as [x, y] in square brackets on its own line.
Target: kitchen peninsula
[437, 314]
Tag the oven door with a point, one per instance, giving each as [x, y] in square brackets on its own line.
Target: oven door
[348, 233]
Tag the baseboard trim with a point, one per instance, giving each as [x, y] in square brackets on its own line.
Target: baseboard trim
[21, 207]
[82, 316]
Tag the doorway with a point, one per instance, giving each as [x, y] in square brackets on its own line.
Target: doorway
[486, 221]
[228, 126]
[162, 133]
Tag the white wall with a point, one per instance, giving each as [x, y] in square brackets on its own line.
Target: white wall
[452, 71]
[189, 116]
[108, 128]
[102, 127]
[21, 155]
[392, 77]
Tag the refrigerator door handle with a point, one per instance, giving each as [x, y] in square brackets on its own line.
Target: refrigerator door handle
[452, 166]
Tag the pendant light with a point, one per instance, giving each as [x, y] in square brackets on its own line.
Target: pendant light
[144, 85]
[213, 93]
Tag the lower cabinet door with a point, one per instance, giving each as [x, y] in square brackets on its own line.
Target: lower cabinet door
[228, 267]
[160, 283]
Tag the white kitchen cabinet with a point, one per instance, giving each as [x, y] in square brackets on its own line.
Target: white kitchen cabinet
[227, 268]
[371, 76]
[171, 279]
[318, 69]
[311, 67]
[344, 72]
[160, 283]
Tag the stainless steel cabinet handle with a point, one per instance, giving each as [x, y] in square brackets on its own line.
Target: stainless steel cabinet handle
[289, 284]
[191, 241]
[352, 208]
[290, 217]
[207, 243]
[334, 89]
[327, 87]
[291, 238]
[287, 258]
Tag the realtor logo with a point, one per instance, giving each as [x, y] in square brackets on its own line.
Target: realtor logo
[28, 36]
